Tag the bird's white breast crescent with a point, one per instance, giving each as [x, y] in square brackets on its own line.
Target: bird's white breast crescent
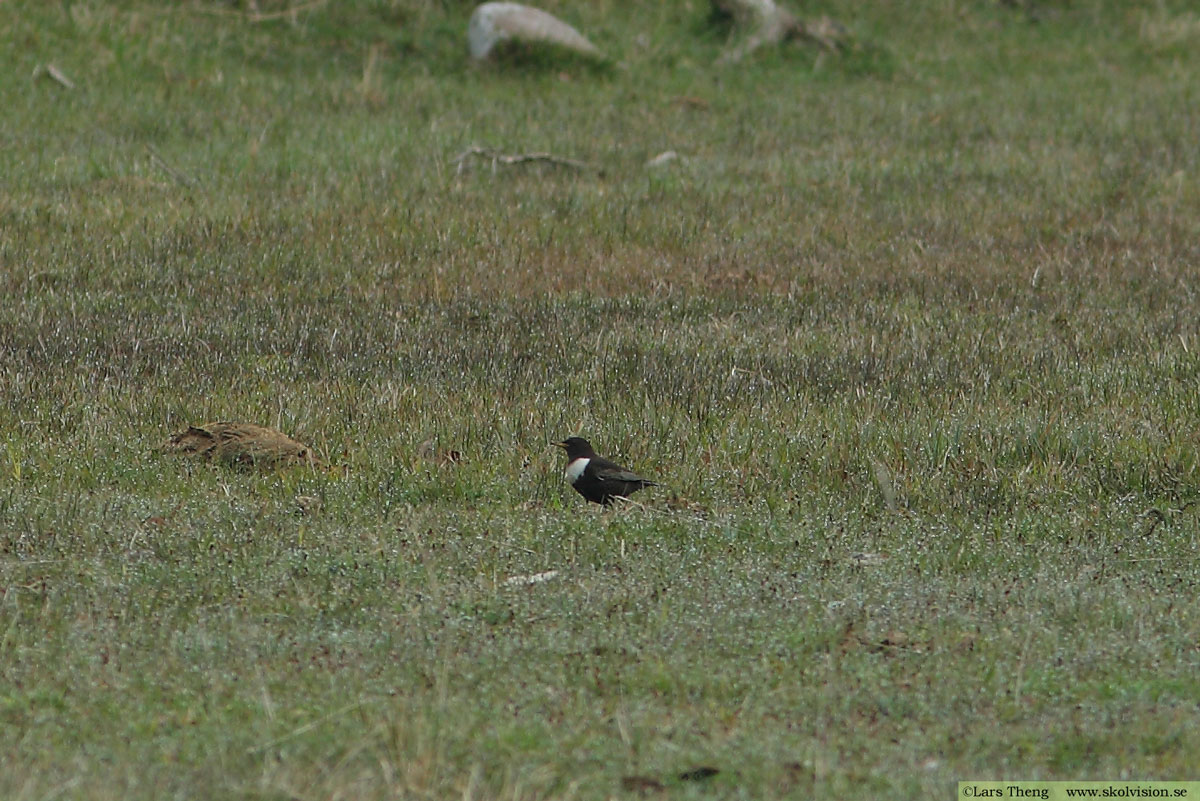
[575, 469]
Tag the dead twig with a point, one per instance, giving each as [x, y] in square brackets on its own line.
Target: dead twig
[1157, 516]
[496, 157]
[54, 73]
[178, 175]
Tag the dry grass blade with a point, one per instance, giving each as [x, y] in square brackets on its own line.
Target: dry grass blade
[179, 176]
[496, 157]
[254, 15]
[243, 444]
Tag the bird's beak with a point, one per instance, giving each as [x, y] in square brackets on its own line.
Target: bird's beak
[559, 444]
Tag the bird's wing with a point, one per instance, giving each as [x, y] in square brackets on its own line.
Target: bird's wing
[613, 472]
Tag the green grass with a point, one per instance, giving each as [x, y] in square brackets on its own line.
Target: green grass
[909, 336]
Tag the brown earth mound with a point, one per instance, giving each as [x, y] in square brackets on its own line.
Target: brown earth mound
[243, 445]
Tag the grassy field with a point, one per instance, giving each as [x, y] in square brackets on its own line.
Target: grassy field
[909, 335]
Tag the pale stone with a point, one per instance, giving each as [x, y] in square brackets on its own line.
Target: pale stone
[492, 23]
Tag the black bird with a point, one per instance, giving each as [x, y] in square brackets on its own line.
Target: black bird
[595, 477]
